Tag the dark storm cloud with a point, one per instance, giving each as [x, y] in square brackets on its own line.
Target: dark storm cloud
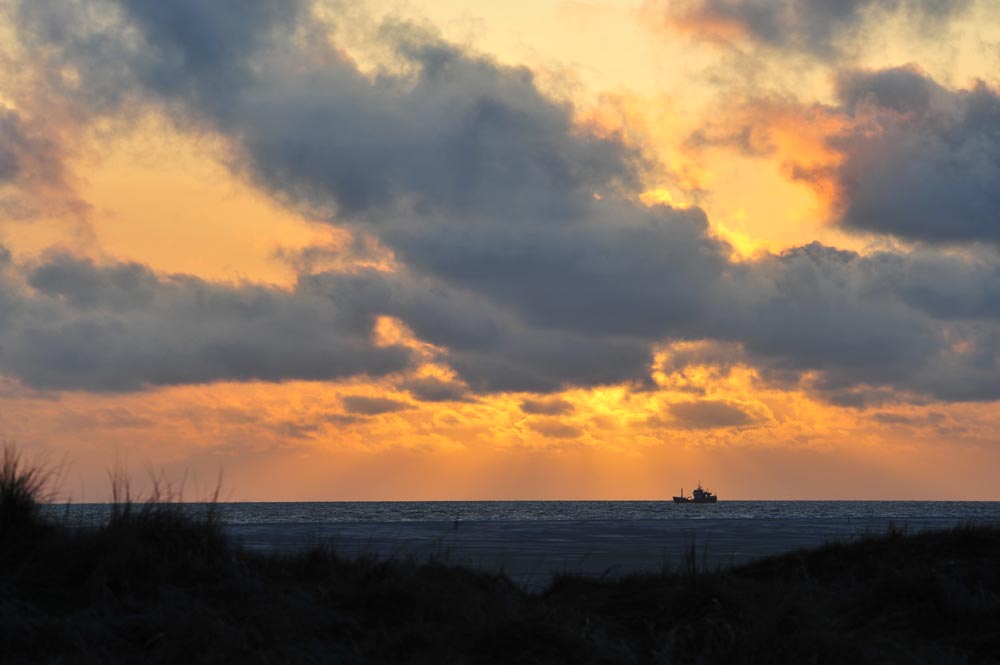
[909, 157]
[12, 142]
[555, 429]
[924, 161]
[868, 323]
[433, 389]
[459, 133]
[83, 285]
[916, 420]
[814, 307]
[860, 324]
[372, 406]
[463, 168]
[547, 407]
[818, 27]
[621, 269]
[78, 325]
[32, 174]
[183, 48]
[490, 344]
[703, 353]
[538, 361]
[709, 414]
[457, 138]
[24, 152]
[483, 189]
[860, 397]
[944, 285]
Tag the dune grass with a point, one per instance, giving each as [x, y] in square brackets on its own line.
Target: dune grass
[161, 584]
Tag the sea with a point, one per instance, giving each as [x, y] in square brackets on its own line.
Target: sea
[533, 541]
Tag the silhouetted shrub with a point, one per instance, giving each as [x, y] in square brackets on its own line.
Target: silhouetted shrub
[23, 488]
[159, 583]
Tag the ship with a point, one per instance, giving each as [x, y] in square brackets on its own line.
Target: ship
[701, 495]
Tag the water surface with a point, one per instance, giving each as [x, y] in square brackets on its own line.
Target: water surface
[546, 511]
[533, 540]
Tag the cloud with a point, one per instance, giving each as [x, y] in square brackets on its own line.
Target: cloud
[70, 323]
[456, 133]
[709, 414]
[104, 419]
[644, 270]
[862, 323]
[478, 183]
[815, 27]
[906, 419]
[813, 307]
[14, 146]
[922, 161]
[850, 328]
[433, 389]
[482, 188]
[372, 406]
[33, 176]
[554, 429]
[899, 154]
[493, 349]
[547, 407]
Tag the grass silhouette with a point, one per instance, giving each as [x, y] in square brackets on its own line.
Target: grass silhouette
[160, 583]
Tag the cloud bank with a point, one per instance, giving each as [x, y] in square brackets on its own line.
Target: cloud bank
[923, 160]
[525, 257]
[819, 28]
[69, 323]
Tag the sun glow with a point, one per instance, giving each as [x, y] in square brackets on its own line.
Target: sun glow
[550, 107]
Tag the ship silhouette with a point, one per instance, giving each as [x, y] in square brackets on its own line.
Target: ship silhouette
[701, 495]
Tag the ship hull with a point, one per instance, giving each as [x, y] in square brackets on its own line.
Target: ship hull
[684, 499]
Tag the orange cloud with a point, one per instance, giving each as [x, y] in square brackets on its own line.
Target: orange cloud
[795, 135]
[687, 20]
[295, 441]
[653, 125]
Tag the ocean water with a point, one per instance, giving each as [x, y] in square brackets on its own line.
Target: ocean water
[531, 541]
[561, 511]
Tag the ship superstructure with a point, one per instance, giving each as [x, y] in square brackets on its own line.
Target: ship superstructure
[700, 495]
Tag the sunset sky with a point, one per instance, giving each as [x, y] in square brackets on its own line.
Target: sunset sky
[503, 250]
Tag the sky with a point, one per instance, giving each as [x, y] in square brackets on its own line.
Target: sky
[395, 250]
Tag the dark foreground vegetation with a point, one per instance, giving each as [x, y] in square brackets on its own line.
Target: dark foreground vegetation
[157, 584]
